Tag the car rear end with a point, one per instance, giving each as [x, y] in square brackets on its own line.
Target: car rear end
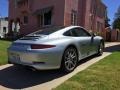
[35, 52]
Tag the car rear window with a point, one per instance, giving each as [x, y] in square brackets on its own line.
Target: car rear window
[47, 31]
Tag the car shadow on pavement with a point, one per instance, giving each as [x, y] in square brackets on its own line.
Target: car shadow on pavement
[114, 48]
[16, 77]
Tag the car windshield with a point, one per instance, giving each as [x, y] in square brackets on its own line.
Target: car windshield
[47, 31]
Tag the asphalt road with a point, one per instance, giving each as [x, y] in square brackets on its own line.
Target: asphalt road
[15, 77]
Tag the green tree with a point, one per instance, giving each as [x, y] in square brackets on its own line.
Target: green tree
[107, 21]
[116, 23]
[117, 14]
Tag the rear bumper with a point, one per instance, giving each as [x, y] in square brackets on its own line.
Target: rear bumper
[41, 60]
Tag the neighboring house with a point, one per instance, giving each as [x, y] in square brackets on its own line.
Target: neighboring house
[3, 27]
[26, 16]
[108, 33]
[115, 35]
[112, 34]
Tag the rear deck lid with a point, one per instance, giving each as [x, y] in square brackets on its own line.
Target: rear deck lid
[33, 37]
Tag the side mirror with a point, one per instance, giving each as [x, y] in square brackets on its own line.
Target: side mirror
[92, 34]
[92, 37]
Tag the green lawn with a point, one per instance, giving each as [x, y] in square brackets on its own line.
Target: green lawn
[3, 51]
[104, 75]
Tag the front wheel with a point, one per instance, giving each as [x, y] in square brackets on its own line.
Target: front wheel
[70, 59]
[100, 49]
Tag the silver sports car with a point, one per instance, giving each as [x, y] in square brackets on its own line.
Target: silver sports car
[54, 48]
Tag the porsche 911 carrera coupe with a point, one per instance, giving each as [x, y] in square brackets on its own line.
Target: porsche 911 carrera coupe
[55, 48]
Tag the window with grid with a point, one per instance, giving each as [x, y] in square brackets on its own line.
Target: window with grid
[74, 17]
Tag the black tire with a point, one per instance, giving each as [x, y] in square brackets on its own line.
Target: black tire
[100, 49]
[69, 60]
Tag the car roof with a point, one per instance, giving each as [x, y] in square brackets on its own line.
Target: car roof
[61, 31]
[68, 28]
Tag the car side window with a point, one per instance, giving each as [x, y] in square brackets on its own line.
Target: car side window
[68, 33]
[79, 32]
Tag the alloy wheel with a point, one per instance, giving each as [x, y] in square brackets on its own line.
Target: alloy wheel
[70, 59]
[101, 48]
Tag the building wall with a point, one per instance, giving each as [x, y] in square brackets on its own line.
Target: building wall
[18, 13]
[70, 5]
[82, 12]
[58, 13]
[95, 12]
[88, 14]
[115, 35]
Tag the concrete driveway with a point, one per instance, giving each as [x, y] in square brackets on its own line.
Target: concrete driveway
[14, 77]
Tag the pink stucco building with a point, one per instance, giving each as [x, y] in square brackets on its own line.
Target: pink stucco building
[26, 16]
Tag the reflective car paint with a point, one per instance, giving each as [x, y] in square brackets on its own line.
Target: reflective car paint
[20, 51]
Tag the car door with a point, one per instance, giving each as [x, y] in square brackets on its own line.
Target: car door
[84, 41]
[91, 42]
[94, 45]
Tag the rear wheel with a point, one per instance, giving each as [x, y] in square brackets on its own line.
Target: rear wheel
[100, 49]
[70, 59]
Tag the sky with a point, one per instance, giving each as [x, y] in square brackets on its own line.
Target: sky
[3, 8]
[112, 6]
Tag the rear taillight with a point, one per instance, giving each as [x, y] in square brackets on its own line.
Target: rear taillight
[41, 46]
